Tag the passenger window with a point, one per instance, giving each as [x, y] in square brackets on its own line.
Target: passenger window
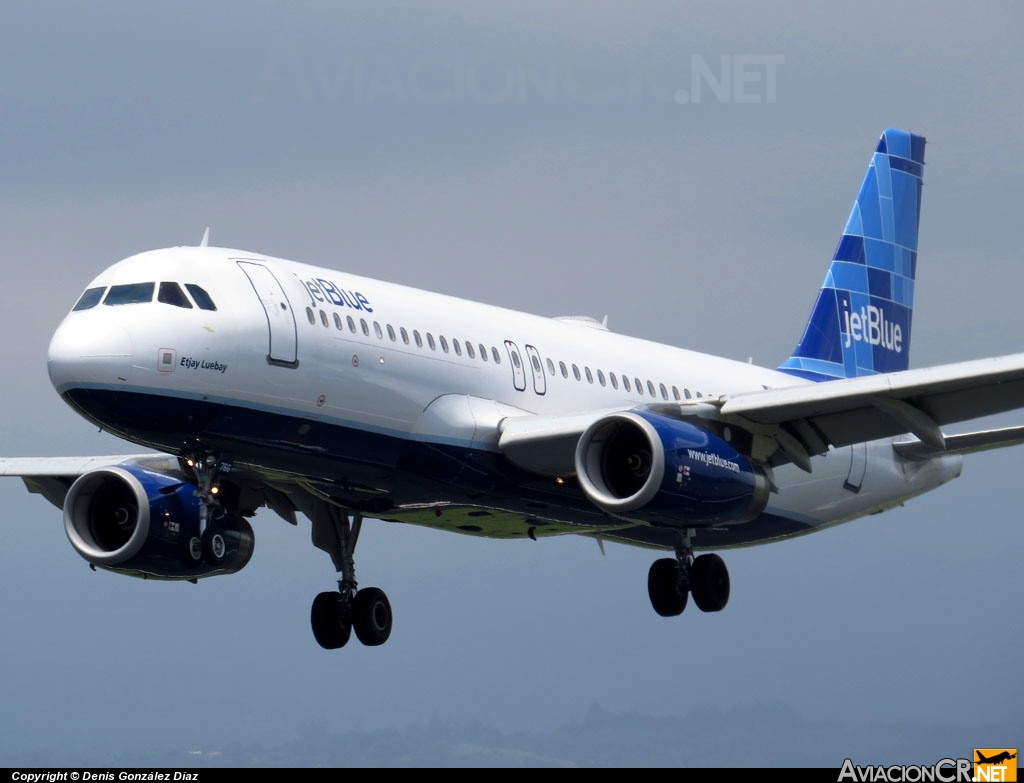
[600, 377]
[132, 293]
[430, 341]
[338, 322]
[675, 393]
[89, 299]
[576, 372]
[536, 364]
[323, 318]
[202, 299]
[351, 324]
[495, 355]
[417, 338]
[469, 350]
[590, 378]
[444, 343]
[614, 380]
[551, 367]
[625, 383]
[650, 389]
[377, 330]
[663, 390]
[699, 395]
[483, 352]
[639, 387]
[405, 335]
[563, 369]
[310, 315]
[171, 293]
[457, 347]
[686, 393]
[391, 333]
[515, 360]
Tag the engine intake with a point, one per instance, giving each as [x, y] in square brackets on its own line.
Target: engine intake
[668, 471]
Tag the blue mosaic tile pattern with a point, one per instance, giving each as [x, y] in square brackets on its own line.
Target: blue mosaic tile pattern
[860, 324]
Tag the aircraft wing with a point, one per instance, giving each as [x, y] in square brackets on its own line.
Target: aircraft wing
[51, 477]
[793, 423]
[808, 419]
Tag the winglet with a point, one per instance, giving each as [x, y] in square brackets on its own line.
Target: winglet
[206, 238]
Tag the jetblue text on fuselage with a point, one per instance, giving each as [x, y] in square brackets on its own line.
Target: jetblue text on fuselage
[327, 291]
[870, 325]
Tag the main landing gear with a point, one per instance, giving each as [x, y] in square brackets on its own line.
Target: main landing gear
[336, 613]
[671, 580]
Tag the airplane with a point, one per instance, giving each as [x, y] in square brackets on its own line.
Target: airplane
[996, 759]
[258, 382]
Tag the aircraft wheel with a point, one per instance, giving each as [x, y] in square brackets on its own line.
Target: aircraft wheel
[709, 583]
[214, 545]
[665, 587]
[330, 619]
[371, 616]
[192, 554]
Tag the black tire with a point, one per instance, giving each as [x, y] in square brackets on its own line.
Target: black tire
[192, 552]
[215, 545]
[330, 618]
[371, 616]
[709, 583]
[666, 588]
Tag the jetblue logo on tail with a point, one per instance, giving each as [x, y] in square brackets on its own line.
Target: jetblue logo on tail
[870, 325]
[860, 323]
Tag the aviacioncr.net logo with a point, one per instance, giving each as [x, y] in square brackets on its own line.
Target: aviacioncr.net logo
[943, 771]
[998, 765]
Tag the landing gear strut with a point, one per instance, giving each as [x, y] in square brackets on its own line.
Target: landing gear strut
[209, 543]
[671, 580]
[336, 613]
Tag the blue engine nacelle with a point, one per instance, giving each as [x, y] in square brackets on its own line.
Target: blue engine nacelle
[140, 522]
[666, 471]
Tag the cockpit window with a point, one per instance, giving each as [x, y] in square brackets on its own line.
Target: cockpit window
[89, 299]
[133, 293]
[171, 293]
[202, 298]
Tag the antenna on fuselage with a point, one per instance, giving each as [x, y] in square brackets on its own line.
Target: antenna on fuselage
[206, 238]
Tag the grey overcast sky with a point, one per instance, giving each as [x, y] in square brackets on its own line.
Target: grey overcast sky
[684, 169]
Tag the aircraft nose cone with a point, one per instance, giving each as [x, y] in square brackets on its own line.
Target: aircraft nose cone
[80, 353]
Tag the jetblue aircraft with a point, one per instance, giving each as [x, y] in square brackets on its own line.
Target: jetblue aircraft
[256, 382]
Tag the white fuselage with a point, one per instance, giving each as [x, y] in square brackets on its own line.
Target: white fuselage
[314, 345]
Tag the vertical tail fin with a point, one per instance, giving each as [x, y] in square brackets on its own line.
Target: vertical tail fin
[861, 321]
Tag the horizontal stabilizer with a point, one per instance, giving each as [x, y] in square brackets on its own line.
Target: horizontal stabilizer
[965, 443]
